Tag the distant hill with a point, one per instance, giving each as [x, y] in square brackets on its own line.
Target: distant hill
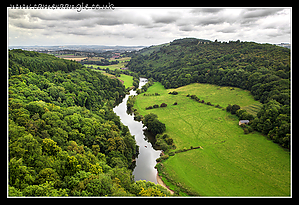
[238, 64]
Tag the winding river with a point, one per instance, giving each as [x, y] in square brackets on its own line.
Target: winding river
[146, 159]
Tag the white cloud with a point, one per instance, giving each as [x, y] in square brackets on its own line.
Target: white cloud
[147, 26]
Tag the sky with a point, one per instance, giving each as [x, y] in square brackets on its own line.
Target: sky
[146, 26]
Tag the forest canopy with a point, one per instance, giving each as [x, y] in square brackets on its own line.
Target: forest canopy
[64, 138]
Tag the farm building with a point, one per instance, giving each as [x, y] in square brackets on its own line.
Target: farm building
[243, 122]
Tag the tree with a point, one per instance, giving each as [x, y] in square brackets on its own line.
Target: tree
[229, 108]
[235, 108]
[49, 147]
[46, 189]
[163, 105]
[28, 148]
[48, 175]
[151, 191]
[148, 118]
[20, 176]
[101, 186]
[156, 127]
[153, 124]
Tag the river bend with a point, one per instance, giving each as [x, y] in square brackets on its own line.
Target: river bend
[146, 160]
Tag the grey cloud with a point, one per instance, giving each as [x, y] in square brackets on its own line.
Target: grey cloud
[28, 25]
[16, 14]
[206, 10]
[166, 19]
[186, 28]
[227, 30]
[209, 20]
[257, 13]
[155, 24]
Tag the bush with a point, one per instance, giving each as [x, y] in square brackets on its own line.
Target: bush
[175, 103]
[156, 106]
[163, 105]
[166, 156]
[169, 141]
[171, 153]
[173, 93]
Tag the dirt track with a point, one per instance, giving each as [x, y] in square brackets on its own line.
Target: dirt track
[159, 180]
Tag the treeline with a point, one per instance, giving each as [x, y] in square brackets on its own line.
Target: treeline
[263, 69]
[102, 62]
[21, 62]
[64, 138]
[80, 87]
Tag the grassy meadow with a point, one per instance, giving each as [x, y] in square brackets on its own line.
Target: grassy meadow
[231, 163]
[122, 63]
[128, 80]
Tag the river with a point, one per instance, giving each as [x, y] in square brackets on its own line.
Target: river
[146, 159]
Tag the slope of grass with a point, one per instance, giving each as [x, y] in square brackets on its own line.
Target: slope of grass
[230, 163]
[128, 80]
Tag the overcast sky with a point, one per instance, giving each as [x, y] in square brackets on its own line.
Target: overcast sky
[147, 26]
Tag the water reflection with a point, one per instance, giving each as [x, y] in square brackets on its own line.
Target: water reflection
[146, 160]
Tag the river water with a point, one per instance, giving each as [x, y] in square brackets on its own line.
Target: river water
[146, 159]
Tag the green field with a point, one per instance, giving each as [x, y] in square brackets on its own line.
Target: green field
[231, 163]
[121, 64]
[128, 80]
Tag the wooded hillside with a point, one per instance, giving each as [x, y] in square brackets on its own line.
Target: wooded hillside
[263, 69]
[64, 138]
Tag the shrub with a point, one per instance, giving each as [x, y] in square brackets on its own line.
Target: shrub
[169, 141]
[173, 93]
[163, 105]
[166, 156]
[175, 103]
[229, 108]
[156, 106]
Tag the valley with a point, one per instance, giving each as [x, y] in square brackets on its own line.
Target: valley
[191, 82]
[231, 163]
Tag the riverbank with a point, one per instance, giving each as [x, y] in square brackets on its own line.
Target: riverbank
[159, 180]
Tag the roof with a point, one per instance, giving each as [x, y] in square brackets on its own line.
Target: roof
[244, 121]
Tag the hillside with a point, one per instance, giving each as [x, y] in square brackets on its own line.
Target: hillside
[262, 69]
[64, 138]
[229, 161]
[246, 65]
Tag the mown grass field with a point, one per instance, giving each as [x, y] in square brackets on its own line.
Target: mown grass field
[231, 163]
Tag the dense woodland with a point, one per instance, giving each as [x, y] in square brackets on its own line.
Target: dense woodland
[64, 138]
[263, 69]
